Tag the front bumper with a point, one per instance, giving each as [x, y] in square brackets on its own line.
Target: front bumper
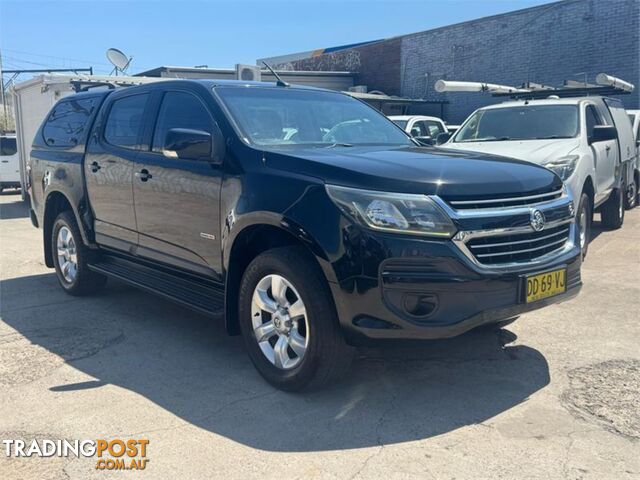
[427, 289]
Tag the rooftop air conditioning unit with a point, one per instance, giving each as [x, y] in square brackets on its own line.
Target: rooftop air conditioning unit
[248, 73]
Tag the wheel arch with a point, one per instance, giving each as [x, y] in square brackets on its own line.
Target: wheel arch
[250, 241]
[589, 188]
[56, 203]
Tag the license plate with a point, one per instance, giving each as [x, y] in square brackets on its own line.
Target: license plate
[545, 285]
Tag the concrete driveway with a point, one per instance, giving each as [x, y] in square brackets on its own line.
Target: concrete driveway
[555, 395]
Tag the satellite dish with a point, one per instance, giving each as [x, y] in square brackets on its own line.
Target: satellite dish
[118, 59]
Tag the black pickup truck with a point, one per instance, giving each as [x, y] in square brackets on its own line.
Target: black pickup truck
[303, 216]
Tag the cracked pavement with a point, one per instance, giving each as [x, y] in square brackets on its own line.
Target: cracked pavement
[554, 395]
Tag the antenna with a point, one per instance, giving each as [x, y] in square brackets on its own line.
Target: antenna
[119, 61]
[280, 82]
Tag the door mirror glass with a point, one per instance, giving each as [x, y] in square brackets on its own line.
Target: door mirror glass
[602, 133]
[188, 144]
[443, 138]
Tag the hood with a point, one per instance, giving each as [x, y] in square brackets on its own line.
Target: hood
[430, 171]
[535, 151]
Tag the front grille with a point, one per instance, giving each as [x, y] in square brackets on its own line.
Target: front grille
[520, 201]
[518, 247]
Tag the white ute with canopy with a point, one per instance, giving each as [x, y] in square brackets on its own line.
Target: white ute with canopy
[577, 131]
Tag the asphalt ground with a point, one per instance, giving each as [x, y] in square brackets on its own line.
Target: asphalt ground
[554, 395]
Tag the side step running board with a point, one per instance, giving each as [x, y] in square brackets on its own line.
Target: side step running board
[202, 295]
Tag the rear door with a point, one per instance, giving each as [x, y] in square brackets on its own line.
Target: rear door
[9, 165]
[178, 200]
[116, 141]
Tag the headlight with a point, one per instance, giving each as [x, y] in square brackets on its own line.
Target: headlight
[393, 212]
[563, 166]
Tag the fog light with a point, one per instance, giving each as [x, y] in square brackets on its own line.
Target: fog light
[419, 305]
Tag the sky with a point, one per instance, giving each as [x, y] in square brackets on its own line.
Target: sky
[62, 34]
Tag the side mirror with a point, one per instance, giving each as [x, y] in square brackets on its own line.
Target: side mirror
[191, 144]
[424, 141]
[602, 133]
[443, 138]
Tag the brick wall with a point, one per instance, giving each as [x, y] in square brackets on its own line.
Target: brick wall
[376, 64]
[545, 44]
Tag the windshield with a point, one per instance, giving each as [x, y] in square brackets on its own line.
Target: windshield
[520, 123]
[285, 116]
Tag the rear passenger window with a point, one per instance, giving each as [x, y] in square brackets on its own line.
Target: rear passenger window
[180, 110]
[67, 123]
[8, 146]
[124, 123]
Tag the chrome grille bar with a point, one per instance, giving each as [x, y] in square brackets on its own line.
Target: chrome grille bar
[502, 244]
[506, 202]
[526, 250]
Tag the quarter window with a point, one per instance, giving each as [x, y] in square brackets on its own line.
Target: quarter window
[67, 123]
[180, 110]
[124, 124]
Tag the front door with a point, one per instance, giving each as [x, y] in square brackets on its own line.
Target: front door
[108, 167]
[604, 154]
[178, 200]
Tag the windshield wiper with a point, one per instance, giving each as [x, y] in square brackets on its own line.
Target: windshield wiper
[552, 137]
[339, 144]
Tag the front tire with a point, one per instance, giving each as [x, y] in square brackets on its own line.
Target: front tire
[289, 323]
[584, 218]
[612, 212]
[70, 258]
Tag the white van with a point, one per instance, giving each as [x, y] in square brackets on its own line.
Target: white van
[9, 162]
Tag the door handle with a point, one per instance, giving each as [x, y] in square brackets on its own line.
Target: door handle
[144, 175]
[95, 167]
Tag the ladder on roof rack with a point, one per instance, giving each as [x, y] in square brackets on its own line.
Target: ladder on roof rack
[606, 85]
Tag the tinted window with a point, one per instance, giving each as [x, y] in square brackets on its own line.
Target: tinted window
[180, 110]
[520, 123]
[8, 146]
[67, 123]
[124, 125]
[296, 117]
[592, 119]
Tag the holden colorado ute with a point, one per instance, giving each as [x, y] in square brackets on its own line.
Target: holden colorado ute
[306, 217]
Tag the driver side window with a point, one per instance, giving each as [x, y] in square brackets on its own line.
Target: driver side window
[180, 110]
[592, 119]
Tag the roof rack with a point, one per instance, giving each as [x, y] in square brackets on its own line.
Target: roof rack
[564, 92]
[606, 85]
[84, 83]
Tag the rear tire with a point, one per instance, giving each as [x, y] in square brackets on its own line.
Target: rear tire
[312, 352]
[631, 197]
[70, 258]
[612, 211]
[583, 220]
